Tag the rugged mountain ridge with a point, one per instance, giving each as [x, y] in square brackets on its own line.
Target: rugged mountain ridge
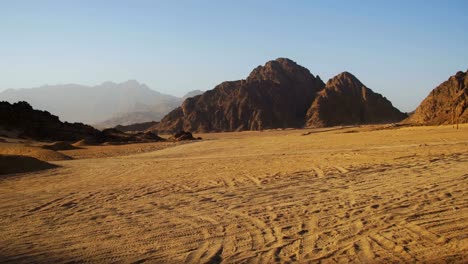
[346, 101]
[445, 104]
[277, 94]
[22, 121]
[281, 94]
[26, 122]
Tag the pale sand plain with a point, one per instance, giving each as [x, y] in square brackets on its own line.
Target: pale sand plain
[333, 195]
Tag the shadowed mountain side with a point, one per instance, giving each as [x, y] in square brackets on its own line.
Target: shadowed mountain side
[445, 104]
[277, 94]
[346, 101]
[41, 125]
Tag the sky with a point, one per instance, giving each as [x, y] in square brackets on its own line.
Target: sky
[401, 49]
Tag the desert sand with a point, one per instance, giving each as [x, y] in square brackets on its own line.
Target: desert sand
[355, 194]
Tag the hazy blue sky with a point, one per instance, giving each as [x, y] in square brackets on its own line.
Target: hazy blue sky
[401, 49]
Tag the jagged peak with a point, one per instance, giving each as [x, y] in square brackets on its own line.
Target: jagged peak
[279, 70]
[344, 80]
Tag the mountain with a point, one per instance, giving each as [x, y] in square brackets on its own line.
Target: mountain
[95, 104]
[22, 121]
[445, 104]
[346, 101]
[281, 94]
[276, 95]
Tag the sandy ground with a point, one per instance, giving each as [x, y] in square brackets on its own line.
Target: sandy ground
[336, 195]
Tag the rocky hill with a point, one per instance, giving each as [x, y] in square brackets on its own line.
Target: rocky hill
[346, 101]
[26, 122]
[22, 121]
[276, 95]
[281, 94]
[445, 104]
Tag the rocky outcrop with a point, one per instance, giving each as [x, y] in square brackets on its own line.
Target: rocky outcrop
[446, 104]
[41, 125]
[183, 135]
[346, 101]
[113, 135]
[276, 95]
[281, 94]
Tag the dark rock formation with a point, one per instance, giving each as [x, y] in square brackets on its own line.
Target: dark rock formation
[183, 135]
[276, 95]
[41, 125]
[445, 104]
[115, 136]
[346, 101]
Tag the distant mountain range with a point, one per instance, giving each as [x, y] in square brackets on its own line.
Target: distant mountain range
[279, 94]
[105, 105]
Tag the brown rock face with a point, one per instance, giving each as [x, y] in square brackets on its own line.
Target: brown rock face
[276, 95]
[41, 125]
[183, 135]
[445, 104]
[346, 101]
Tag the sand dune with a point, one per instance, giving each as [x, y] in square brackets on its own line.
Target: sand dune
[10, 164]
[34, 151]
[393, 195]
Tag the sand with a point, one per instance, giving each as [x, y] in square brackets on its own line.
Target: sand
[34, 150]
[369, 195]
[13, 164]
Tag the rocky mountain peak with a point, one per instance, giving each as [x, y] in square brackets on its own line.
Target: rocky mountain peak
[346, 101]
[281, 94]
[274, 95]
[281, 70]
[344, 81]
[445, 104]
